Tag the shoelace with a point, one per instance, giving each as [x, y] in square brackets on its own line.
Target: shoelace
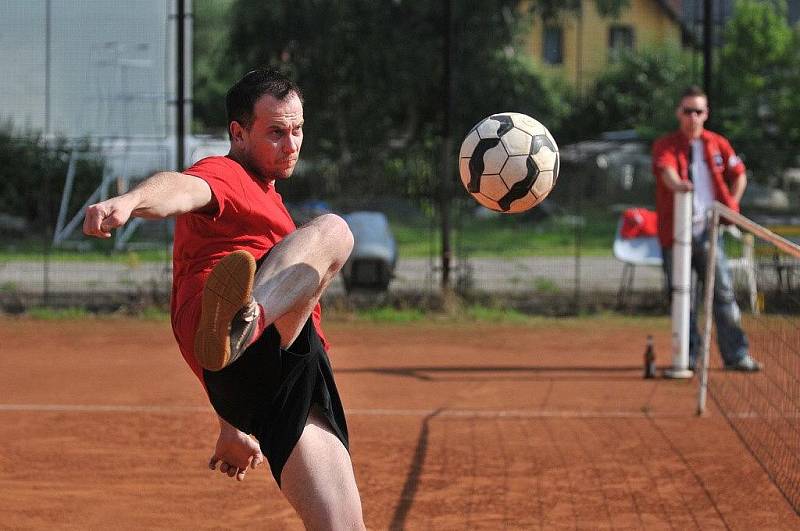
[243, 333]
[250, 311]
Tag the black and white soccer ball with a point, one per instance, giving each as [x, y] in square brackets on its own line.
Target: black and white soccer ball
[509, 162]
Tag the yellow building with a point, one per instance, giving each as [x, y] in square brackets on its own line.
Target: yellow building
[579, 45]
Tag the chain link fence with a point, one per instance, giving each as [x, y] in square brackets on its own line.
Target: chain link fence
[98, 117]
[557, 258]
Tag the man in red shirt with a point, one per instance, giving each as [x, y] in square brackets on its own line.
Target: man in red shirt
[695, 159]
[245, 310]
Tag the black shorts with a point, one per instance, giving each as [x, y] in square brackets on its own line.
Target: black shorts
[269, 391]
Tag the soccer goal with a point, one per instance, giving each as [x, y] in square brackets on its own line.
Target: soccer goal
[764, 407]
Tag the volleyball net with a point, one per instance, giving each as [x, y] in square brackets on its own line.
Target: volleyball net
[763, 407]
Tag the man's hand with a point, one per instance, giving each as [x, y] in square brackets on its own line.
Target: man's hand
[673, 181]
[236, 450]
[109, 214]
[683, 186]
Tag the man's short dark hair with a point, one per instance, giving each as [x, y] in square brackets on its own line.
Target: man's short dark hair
[693, 91]
[243, 95]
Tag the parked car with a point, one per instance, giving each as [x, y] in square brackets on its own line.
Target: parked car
[372, 263]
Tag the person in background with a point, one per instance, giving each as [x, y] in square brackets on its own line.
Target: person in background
[703, 162]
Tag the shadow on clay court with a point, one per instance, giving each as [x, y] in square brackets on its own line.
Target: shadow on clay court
[503, 372]
[472, 373]
[412, 478]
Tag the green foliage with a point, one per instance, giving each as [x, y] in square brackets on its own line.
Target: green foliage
[510, 236]
[509, 81]
[386, 314]
[372, 79]
[755, 101]
[63, 314]
[372, 75]
[639, 91]
[211, 72]
[499, 313]
[32, 174]
[489, 314]
[74, 313]
[759, 72]
[101, 251]
[469, 314]
[155, 313]
[611, 8]
[550, 9]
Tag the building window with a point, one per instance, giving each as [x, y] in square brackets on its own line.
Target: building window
[552, 47]
[620, 39]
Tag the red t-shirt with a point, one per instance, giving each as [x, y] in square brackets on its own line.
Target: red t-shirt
[250, 215]
[672, 151]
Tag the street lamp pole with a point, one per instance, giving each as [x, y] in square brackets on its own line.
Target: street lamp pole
[446, 168]
[708, 45]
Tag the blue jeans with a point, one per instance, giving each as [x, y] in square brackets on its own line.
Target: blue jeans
[733, 344]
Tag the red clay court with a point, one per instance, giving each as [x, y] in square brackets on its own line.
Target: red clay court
[541, 425]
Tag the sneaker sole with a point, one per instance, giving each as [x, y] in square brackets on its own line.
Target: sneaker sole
[742, 369]
[228, 289]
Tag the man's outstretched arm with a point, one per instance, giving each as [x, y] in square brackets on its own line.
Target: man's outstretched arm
[163, 195]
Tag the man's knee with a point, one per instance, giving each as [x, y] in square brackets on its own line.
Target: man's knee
[337, 235]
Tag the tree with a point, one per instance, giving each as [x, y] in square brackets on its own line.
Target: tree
[638, 92]
[371, 73]
[759, 71]
[211, 72]
[32, 172]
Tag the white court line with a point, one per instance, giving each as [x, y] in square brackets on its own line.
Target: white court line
[374, 412]
[756, 415]
[385, 412]
[553, 413]
[509, 413]
[99, 408]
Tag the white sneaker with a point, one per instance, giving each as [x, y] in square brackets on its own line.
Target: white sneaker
[745, 364]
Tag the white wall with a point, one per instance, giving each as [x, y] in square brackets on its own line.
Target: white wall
[111, 67]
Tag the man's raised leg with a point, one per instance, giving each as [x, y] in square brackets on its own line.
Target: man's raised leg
[297, 271]
[318, 479]
[286, 287]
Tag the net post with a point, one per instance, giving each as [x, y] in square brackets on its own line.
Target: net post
[681, 286]
[708, 302]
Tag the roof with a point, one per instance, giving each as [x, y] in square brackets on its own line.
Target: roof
[672, 8]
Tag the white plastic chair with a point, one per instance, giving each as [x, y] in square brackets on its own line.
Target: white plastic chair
[646, 251]
[632, 252]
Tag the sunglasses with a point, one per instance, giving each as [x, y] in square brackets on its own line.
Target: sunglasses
[689, 110]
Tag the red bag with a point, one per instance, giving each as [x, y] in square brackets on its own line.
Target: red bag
[639, 223]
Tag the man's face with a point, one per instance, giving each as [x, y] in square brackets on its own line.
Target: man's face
[692, 114]
[271, 146]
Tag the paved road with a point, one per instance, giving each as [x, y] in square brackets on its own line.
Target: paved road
[489, 274]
